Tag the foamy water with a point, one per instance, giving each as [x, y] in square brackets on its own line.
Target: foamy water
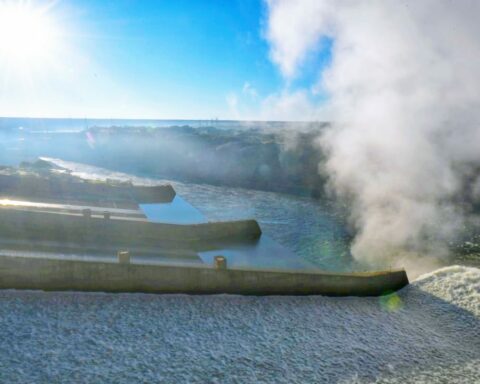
[428, 333]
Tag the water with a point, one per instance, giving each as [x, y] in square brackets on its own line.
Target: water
[279, 217]
[264, 253]
[312, 232]
[178, 211]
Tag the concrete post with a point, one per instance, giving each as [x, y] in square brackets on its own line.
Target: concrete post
[123, 257]
[220, 262]
[106, 215]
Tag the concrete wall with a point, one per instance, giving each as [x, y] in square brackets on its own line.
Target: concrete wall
[30, 226]
[52, 274]
[66, 187]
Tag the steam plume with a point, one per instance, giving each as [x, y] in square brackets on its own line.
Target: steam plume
[404, 91]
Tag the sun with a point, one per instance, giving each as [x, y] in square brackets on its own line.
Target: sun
[27, 33]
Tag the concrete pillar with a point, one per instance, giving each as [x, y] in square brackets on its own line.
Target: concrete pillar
[123, 257]
[106, 215]
[220, 262]
[87, 213]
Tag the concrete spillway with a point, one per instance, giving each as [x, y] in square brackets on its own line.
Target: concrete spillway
[20, 272]
[69, 229]
[50, 274]
[70, 215]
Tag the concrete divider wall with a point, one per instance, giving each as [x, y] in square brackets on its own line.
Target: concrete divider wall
[54, 274]
[153, 194]
[69, 187]
[34, 225]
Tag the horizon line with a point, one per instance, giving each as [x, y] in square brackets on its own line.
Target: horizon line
[159, 119]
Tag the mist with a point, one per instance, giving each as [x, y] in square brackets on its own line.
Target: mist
[403, 87]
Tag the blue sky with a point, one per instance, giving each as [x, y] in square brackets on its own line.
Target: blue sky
[152, 59]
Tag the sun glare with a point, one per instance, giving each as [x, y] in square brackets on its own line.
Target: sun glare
[26, 33]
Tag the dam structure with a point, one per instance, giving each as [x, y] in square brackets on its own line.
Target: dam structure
[60, 232]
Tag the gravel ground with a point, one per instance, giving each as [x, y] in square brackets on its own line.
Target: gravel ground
[429, 332]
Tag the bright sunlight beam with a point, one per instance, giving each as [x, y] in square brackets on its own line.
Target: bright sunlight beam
[27, 33]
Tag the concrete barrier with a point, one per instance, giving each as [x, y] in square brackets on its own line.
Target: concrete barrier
[29, 226]
[73, 275]
[65, 187]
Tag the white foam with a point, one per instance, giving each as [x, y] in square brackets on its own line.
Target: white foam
[431, 334]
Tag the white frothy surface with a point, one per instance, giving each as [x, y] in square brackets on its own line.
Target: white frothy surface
[430, 333]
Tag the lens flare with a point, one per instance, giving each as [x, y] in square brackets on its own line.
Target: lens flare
[391, 302]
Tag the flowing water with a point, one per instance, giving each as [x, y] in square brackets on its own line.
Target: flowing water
[311, 232]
